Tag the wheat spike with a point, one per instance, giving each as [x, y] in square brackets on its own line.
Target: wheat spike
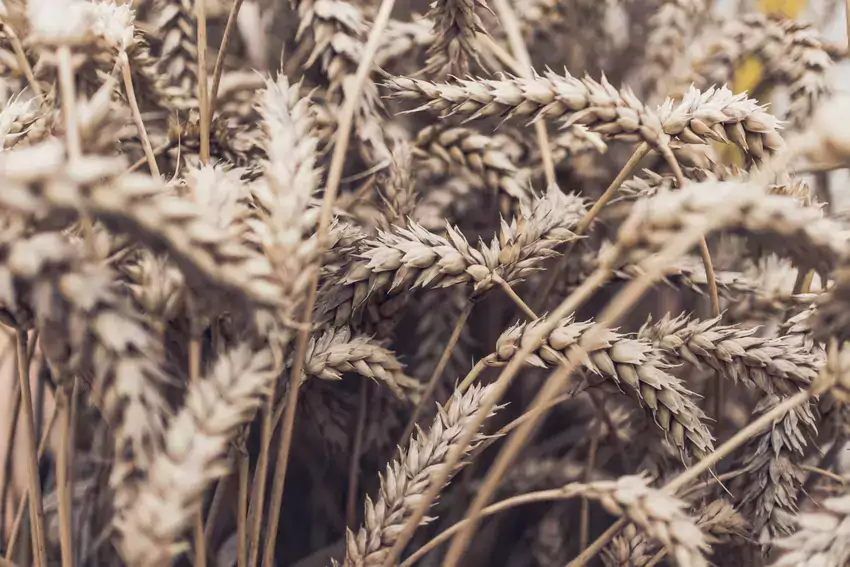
[192, 456]
[629, 364]
[455, 27]
[773, 365]
[409, 476]
[821, 537]
[700, 117]
[336, 352]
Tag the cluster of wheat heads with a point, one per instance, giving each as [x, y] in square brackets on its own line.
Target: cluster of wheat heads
[452, 282]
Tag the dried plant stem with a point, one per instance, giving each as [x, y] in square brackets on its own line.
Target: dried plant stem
[21, 57]
[156, 151]
[599, 543]
[19, 514]
[506, 504]
[639, 153]
[570, 304]
[258, 492]
[584, 512]
[509, 22]
[194, 377]
[215, 505]
[356, 449]
[509, 291]
[437, 373]
[341, 141]
[28, 421]
[62, 484]
[137, 115]
[473, 375]
[242, 509]
[219, 60]
[203, 95]
[703, 245]
[69, 103]
[617, 307]
[11, 429]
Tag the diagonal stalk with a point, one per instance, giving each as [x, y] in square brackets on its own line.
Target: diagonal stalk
[137, 115]
[219, 60]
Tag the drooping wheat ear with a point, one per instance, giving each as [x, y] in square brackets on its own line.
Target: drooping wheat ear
[414, 258]
[480, 154]
[671, 29]
[718, 520]
[338, 32]
[193, 455]
[658, 514]
[87, 329]
[404, 39]
[713, 115]
[769, 490]
[214, 262]
[631, 365]
[409, 476]
[791, 53]
[178, 54]
[336, 352]
[455, 27]
[821, 538]
[773, 365]
[775, 222]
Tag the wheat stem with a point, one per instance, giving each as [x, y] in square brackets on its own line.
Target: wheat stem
[508, 19]
[19, 514]
[137, 115]
[203, 94]
[584, 511]
[258, 491]
[509, 291]
[28, 422]
[194, 378]
[21, 57]
[9, 441]
[341, 142]
[639, 153]
[425, 398]
[69, 103]
[599, 543]
[356, 449]
[62, 484]
[219, 60]
[242, 508]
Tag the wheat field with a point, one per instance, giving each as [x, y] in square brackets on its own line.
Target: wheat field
[306, 283]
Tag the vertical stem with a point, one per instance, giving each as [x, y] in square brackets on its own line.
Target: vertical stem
[203, 99]
[584, 522]
[137, 115]
[341, 141]
[194, 378]
[36, 505]
[62, 485]
[219, 60]
[69, 103]
[242, 508]
[11, 429]
[356, 449]
[19, 514]
[258, 494]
